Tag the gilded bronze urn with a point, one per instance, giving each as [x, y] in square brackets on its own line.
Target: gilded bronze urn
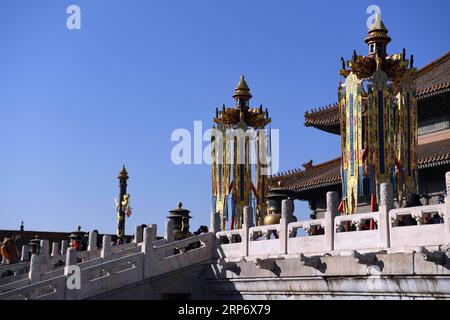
[274, 200]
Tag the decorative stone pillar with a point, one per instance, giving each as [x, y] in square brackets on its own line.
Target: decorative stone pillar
[287, 213]
[168, 231]
[55, 249]
[215, 222]
[147, 249]
[25, 256]
[44, 253]
[287, 208]
[71, 260]
[330, 214]
[248, 223]
[154, 231]
[138, 234]
[35, 269]
[447, 210]
[386, 196]
[71, 257]
[44, 248]
[64, 246]
[386, 204]
[92, 245]
[106, 247]
[248, 217]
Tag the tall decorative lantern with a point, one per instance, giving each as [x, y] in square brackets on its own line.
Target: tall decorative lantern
[240, 159]
[377, 101]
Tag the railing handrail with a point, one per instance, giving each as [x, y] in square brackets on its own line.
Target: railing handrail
[182, 243]
[123, 246]
[13, 267]
[23, 290]
[229, 233]
[20, 283]
[303, 223]
[357, 217]
[106, 264]
[422, 209]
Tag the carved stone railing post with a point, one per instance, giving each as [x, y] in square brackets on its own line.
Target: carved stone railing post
[92, 245]
[154, 231]
[25, 255]
[168, 231]
[386, 204]
[55, 249]
[330, 214]
[287, 209]
[138, 234]
[215, 222]
[147, 249]
[44, 253]
[248, 223]
[71, 260]
[64, 246]
[35, 269]
[106, 247]
[447, 210]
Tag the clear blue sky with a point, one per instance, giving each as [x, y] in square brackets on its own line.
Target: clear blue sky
[76, 105]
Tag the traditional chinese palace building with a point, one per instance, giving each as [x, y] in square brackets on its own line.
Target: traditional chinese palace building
[431, 157]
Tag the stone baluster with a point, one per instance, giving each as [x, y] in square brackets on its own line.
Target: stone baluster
[64, 246]
[25, 256]
[447, 210]
[248, 223]
[287, 210]
[138, 234]
[44, 253]
[71, 257]
[71, 262]
[106, 247]
[330, 214]
[386, 204]
[92, 245]
[154, 231]
[215, 222]
[35, 269]
[55, 249]
[168, 231]
[148, 250]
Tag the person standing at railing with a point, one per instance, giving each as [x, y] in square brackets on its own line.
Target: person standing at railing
[435, 219]
[75, 244]
[9, 250]
[413, 201]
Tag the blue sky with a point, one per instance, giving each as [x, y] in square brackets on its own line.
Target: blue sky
[77, 104]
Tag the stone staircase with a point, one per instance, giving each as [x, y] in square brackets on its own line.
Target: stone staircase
[104, 270]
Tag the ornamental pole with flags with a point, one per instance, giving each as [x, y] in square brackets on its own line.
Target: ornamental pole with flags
[123, 177]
